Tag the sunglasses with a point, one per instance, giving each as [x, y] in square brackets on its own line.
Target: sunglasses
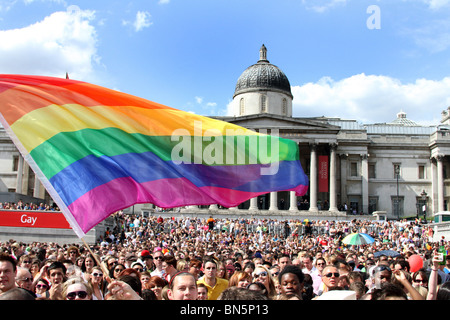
[26, 261]
[139, 269]
[158, 258]
[79, 294]
[257, 275]
[118, 270]
[330, 274]
[41, 286]
[25, 279]
[95, 274]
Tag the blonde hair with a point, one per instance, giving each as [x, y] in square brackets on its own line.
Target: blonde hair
[75, 280]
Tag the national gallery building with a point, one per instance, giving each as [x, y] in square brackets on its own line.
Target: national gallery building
[398, 167]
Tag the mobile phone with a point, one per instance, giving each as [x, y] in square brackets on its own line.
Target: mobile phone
[439, 257]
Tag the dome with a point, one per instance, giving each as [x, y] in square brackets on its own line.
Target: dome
[263, 76]
[403, 121]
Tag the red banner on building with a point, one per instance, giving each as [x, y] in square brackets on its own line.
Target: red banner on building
[33, 219]
[323, 174]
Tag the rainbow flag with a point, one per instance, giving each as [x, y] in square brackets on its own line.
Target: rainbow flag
[98, 151]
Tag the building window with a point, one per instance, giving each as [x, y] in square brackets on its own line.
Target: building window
[263, 103]
[241, 107]
[421, 172]
[15, 164]
[372, 172]
[284, 106]
[353, 169]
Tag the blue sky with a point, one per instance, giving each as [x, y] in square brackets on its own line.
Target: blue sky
[188, 54]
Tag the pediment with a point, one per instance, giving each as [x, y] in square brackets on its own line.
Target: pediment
[281, 122]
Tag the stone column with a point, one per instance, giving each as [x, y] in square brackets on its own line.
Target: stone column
[273, 201]
[293, 201]
[333, 205]
[19, 183]
[253, 204]
[433, 195]
[26, 178]
[440, 182]
[313, 179]
[365, 183]
[37, 187]
[344, 179]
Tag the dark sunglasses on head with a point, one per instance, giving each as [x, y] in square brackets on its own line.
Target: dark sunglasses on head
[73, 295]
[381, 268]
[330, 274]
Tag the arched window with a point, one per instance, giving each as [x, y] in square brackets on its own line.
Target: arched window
[241, 107]
[263, 103]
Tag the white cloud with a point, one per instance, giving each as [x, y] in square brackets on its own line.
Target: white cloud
[321, 6]
[434, 37]
[373, 99]
[437, 4]
[199, 100]
[163, 1]
[142, 20]
[63, 42]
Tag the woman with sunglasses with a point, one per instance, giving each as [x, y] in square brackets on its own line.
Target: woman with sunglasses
[41, 288]
[116, 270]
[76, 289]
[97, 282]
[263, 275]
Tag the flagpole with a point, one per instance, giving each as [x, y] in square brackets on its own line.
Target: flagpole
[101, 265]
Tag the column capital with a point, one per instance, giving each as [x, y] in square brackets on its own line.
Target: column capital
[364, 156]
[333, 145]
[313, 145]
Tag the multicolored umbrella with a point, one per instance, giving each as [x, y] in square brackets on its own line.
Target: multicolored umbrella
[358, 239]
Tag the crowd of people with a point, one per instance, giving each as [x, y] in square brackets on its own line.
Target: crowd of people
[156, 258]
[20, 205]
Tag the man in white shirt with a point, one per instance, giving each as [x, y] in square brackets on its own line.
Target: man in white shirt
[310, 269]
[158, 261]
